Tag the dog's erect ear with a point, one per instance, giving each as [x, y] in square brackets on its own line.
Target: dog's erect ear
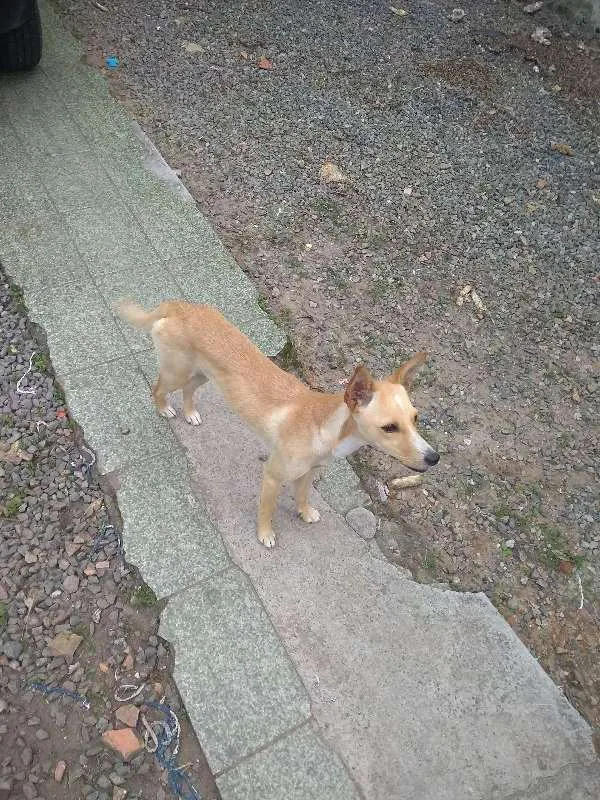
[405, 374]
[360, 388]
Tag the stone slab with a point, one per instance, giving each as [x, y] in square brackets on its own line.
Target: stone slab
[81, 330]
[165, 530]
[297, 767]
[113, 403]
[238, 684]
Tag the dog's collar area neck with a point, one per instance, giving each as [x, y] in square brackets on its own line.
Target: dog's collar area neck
[347, 445]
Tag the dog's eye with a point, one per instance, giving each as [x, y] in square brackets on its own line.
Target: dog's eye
[391, 428]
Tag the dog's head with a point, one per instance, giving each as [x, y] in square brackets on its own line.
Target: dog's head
[386, 418]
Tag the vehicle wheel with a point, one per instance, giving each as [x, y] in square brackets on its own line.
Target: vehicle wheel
[21, 48]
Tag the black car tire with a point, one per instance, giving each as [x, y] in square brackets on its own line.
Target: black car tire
[21, 48]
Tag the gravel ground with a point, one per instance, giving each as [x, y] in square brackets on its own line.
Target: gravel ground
[62, 575]
[465, 155]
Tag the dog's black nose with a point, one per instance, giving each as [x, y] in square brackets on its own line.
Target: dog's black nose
[432, 458]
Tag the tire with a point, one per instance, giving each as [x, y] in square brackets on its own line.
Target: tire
[21, 48]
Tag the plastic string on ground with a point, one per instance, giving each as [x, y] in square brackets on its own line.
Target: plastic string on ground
[25, 374]
[165, 736]
[108, 535]
[44, 688]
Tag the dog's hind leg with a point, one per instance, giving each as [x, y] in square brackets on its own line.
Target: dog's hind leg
[165, 384]
[191, 414]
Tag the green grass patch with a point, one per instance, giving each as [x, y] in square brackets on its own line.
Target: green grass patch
[430, 561]
[12, 505]
[556, 548]
[3, 616]
[17, 295]
[288, 357]
[40, 362]
[143, 596]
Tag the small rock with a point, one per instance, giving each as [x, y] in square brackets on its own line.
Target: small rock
[331, 174]
[531, 8]
[128, 715]
[41, 734]
[65, 644]
[59, 771]
[510, 543]
[362, 521]
[119, 794]
[123, 741]
[457, 15]
[542, 36]
[12, 649]
[71, 584]
[103, 782]
[26, 756]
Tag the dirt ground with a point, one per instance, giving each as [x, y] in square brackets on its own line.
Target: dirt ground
[467, 157]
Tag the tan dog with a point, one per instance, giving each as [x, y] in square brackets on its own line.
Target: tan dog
[304, 428]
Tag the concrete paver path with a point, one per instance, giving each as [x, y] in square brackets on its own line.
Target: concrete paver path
[316, 669]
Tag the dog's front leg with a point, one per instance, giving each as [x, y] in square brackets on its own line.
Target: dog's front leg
[271, 486]
[301, 489]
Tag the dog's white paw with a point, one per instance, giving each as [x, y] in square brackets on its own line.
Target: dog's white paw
[310, 514]
[194, 418]
[267, 538]
[168, 412]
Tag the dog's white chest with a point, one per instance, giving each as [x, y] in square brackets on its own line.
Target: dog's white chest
[347, 446]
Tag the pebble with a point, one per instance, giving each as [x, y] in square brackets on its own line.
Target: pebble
[71, 584]
[457, 14]
[12, 649]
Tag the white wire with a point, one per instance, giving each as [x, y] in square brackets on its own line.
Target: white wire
[26, 391]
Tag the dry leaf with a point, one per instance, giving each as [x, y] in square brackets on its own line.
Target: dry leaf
[192, 47]
[94, 506]
[407, 482]
[562, 148]
[478, 303]
[264, 63]
[399, 12]
[331, 174]
[463, 293]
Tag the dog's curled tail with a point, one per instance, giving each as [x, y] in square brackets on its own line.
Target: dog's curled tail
[135, 315]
